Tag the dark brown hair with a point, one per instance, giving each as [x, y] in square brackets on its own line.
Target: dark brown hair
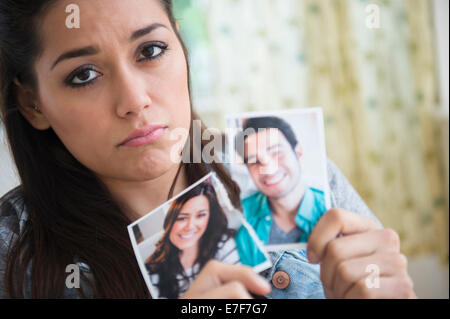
[257, 124]
[165, 261]
[71, 214]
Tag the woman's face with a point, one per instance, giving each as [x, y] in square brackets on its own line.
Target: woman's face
[127, 76]
[191, 223]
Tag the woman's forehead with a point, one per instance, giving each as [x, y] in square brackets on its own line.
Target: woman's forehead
[100, 22]
[194, 204]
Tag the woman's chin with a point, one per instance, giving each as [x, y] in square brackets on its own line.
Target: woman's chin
[136, 175]
[149, 170]
[185, 246]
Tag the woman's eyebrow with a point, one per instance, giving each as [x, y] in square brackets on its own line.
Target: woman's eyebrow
[92, 50]
[184, 214]
[141, 32]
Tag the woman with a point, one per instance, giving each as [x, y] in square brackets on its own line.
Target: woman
[195, 231]
[88, 112]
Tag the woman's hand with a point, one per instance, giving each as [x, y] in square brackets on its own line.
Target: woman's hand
[222, 281]
[348, 261]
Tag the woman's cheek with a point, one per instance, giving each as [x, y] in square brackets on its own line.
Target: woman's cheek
[88, 146]
[181, 113]
[78, 130]
[181, 104]
[205, 222]
[176, 227]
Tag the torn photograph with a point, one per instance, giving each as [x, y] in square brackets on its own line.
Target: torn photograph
[174, 242]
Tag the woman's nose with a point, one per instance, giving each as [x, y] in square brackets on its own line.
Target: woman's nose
[132, 92]
[190, 224]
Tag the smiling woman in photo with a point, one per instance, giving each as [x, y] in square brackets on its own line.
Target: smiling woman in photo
[195, 231]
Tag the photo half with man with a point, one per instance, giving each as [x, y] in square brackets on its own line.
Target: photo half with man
[175, 241]
[279, 161]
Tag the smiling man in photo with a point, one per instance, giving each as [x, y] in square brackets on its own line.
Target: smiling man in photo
[284, 210]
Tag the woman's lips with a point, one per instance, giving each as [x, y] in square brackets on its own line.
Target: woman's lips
[144, 136]
[188, 236]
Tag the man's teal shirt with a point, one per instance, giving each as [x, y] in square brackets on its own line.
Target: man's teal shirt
[257, 212]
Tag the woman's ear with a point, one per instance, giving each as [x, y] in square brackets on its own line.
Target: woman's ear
[29, 107]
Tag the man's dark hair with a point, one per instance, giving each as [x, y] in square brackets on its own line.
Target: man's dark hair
[256, 124]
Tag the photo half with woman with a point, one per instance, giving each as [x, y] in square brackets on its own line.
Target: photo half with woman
[175, 241]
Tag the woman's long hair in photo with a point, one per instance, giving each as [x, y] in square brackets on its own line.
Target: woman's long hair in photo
[165, 261]
[71, 214]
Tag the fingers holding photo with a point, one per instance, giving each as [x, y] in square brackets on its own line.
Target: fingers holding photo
[368, 268]
[334, 223]
[358, 259]
[359, 245]
[220, 280]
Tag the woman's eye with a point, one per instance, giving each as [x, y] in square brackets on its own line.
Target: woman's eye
[153, 51]
[84, 76]
[88, 76]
